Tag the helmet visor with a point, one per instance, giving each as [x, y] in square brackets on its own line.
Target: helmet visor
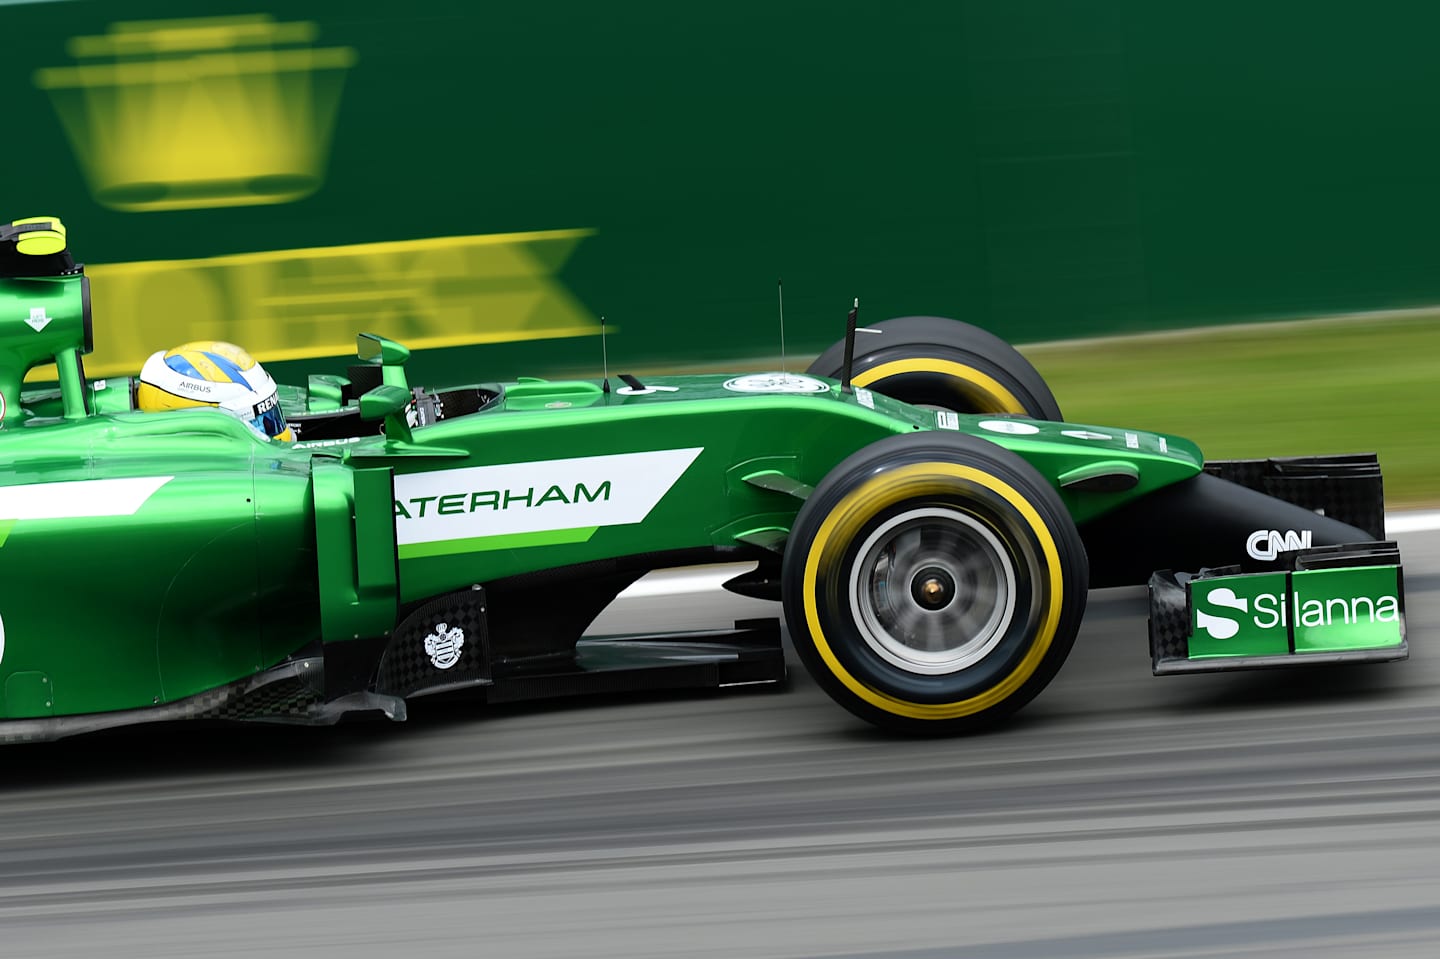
[268, 418]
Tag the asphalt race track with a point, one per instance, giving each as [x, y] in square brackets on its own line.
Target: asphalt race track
[1278, 814]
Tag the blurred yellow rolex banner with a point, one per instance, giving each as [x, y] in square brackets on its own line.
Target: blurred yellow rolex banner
[297, 304]
[205, 112]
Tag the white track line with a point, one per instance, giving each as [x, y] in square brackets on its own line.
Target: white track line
[1412, 522]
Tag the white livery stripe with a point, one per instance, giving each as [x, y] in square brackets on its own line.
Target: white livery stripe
[515, 498]
[78, 498]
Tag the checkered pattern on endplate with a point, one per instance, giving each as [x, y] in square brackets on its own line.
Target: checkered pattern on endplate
[406, 668]
[1169, 618]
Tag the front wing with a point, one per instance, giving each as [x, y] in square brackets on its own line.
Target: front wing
[1327, 605]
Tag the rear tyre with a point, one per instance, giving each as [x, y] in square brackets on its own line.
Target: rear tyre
[942, 363]
[933, 583]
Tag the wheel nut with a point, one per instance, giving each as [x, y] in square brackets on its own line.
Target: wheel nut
[932, 588]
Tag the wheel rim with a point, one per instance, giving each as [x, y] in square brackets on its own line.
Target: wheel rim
[934, 591]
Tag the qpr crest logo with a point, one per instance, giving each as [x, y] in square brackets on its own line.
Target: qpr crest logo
[775, 383]
[444, 646]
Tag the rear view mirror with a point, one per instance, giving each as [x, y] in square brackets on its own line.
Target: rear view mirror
[371, 348]
[391, 356]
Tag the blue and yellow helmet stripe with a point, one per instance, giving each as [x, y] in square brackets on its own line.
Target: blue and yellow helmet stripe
[211, 373]
[212, 361]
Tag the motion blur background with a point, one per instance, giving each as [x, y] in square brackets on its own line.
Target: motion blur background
[497, 177]
[1045, 168]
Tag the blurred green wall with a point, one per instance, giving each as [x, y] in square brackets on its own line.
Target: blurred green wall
[1044, 168]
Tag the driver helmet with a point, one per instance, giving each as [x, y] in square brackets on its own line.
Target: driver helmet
[209, 373]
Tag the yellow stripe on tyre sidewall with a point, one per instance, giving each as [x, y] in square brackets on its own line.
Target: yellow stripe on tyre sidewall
[869, 498]
[982, 386]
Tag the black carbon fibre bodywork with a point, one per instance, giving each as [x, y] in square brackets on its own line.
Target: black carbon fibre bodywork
[524, 638]
[1210, 519]
[292, 692]
[1345, 488]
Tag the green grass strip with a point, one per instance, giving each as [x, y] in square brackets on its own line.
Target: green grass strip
[1363, 384]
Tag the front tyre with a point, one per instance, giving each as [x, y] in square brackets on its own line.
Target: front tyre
[933, 583]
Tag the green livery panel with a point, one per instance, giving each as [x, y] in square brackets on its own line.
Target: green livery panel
[1302, 612]
[205, 553]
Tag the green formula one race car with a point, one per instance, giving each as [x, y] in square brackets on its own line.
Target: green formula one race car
[915, 501]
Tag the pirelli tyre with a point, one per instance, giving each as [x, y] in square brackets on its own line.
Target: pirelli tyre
[933, 583]
[943, 363]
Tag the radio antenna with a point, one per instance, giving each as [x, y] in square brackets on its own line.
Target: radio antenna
[604, 358]
[849, 347]
[780, 291]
